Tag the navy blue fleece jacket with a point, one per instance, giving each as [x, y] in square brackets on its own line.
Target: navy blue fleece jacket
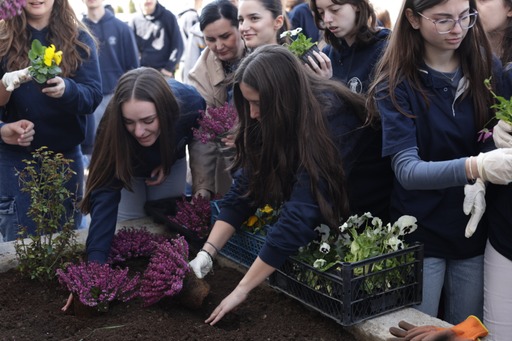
[59, 122]
[117, 49]
[158, 38]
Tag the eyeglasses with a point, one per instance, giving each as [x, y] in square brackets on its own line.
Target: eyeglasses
[444, 26]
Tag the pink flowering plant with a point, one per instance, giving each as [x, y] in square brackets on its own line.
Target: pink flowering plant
[96, 285]
[215, 123]
[194, 215]
[166, 271]
[131, 243]
[11, 8]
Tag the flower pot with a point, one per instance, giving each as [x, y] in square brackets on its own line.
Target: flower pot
[83, 310]
[44, 85]
[308, 53]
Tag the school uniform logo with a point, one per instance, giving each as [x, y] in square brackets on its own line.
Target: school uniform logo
[112, 40]
[355, 85]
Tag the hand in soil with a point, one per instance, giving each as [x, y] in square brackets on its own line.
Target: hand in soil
[229, 303]
[68, 303]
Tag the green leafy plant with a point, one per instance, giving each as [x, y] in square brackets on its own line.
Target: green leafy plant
[53, 243]
[503, 107]
[299, 45]
[44, 61]
[360, 238]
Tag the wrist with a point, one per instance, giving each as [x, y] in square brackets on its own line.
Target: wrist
[1, 126]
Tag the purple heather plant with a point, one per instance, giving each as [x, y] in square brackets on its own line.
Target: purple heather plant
[11, 8]
[96, 285]
[194, 215]
[166, 271]
[215, 122]
[132, 242]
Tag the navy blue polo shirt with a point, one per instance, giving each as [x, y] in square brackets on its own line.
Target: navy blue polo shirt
[445, 130]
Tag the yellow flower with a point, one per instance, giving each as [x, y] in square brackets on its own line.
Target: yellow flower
[57, 57]
[252, 220]
[48, 55]
[267, 209]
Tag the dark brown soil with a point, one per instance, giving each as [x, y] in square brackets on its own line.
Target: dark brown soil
[29, 311]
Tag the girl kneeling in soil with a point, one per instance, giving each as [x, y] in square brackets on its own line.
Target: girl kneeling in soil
[288, 155]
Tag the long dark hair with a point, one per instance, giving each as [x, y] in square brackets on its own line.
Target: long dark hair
[115, 148]
[366, 22]
[405, 53]
[292, 133]
[217, 10]
[276, 8]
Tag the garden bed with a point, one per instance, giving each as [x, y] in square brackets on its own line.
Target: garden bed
[29, 311]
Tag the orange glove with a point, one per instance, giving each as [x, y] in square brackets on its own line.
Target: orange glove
[469, 330]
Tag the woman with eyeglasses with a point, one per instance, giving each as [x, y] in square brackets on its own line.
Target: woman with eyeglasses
[430, 93]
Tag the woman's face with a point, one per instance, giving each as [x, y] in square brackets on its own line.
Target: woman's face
[253, 98]
[256, 23]
[224, 40]
[339, 19]
[38, 12]
[494, 14]
[436, 43]
[141, 121]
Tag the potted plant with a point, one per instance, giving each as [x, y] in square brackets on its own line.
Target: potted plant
[96, 285]
[44, 62]
[300, 45]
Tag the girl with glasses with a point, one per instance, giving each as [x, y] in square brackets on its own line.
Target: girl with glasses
[430, 93]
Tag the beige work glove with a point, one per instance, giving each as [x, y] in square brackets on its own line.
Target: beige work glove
[12, 80]
[202, 264]
[501, 134]
[474, 204]
[495, 166]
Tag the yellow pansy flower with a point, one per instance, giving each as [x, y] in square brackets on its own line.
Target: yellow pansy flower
[252, 220]
[48, 55]
[57, 57]
[267, 209]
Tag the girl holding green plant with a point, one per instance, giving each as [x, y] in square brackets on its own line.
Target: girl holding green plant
[429, 91]
[54, 116]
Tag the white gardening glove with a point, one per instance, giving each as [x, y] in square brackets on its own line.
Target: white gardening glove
[12, 80]
[501, 134]
[202, 264]
[495, 166]
[474, 204]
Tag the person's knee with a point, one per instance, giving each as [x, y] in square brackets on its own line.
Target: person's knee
[9, 224]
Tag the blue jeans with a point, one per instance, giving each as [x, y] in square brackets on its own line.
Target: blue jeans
[14, 204]
[462, 280]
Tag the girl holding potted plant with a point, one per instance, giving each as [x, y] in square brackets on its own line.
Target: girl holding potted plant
[287, 154]
[355, 44]
[430, 93]
[224, 50]
[53, 117]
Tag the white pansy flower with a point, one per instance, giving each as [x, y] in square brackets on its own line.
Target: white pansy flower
[323, 231]
[406, 224]
[291, 33]
[319, 263]
[377, 222]
[343, 227]
[395, 243]
[325, 248]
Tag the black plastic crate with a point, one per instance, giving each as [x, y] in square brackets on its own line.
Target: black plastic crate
[348, 298]
[243, 247]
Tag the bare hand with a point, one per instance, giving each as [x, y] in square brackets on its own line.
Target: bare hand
[229, 303]
[325, 68]
[68, 303]
[18, 133]
[229, 140]
[157, 177]
[56, 87]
